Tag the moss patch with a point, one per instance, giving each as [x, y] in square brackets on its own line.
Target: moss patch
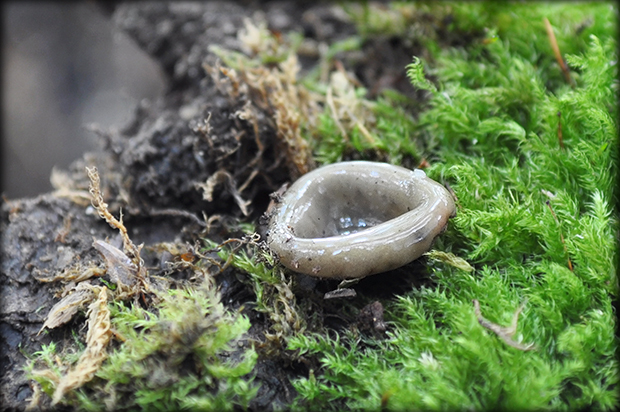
[532, 162]
[185, 353]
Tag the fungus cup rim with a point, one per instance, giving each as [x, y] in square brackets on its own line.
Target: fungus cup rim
[384, 246]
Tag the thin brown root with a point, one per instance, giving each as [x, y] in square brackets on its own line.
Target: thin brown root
[222, 176]
[179, 213]
[557, 53]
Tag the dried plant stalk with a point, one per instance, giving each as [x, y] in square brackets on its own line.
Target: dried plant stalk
[97, 338]
[505, 333]
[102, 208]
[557, 53]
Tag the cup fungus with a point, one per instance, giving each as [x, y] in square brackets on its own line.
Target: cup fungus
[354, 219]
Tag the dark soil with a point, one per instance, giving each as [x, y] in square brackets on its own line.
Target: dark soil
[149, 169]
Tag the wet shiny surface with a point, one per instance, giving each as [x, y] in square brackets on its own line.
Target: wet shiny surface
[354, 219]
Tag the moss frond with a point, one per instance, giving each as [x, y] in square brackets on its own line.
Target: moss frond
[532, 161]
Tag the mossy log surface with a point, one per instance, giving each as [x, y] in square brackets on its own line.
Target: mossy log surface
[511, 310]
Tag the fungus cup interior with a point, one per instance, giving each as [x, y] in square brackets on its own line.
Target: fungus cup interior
[344, 204]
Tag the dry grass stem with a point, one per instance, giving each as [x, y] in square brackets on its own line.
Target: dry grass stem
[505, 333]
[557, 53]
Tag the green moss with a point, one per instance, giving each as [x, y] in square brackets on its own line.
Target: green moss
[273, 295]
[492, 126]
[392, 135]
[192, 328]
[182, 355]
[45, 358]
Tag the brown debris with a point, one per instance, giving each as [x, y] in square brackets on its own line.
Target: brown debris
[66, 228]
[370, 318]
[271, 91]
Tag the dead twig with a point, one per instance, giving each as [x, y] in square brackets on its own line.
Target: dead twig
[505, 333]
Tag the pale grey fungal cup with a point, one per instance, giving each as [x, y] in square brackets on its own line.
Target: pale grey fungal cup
[354, 219]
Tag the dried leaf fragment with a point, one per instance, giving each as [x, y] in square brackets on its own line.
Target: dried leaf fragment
[120, 268]
[66, 308]
[450, 259]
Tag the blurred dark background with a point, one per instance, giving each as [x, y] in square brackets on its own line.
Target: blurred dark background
[64, 65]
